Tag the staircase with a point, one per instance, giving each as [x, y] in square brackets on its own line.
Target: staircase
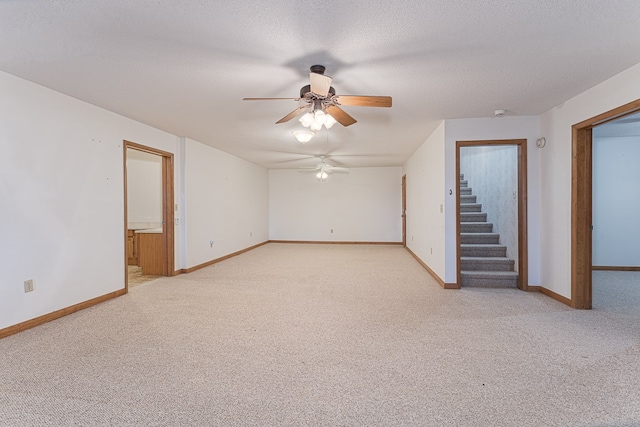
[483, 260]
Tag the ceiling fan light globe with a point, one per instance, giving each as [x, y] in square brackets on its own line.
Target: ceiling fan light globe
[307, 119]
[322, 175]
[330, 121]
[303, 136]
[315, 126]
[319, 117]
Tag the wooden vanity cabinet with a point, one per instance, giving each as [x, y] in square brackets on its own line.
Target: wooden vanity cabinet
[133, 248]
[150, 253]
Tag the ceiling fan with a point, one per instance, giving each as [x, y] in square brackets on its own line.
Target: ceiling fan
[324, 169]
[322, 105]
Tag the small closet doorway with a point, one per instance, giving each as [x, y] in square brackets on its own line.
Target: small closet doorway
[148, 201]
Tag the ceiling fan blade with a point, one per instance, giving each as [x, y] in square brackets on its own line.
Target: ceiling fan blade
[270, 99]
[278, 162]
[364, 101]
[292, 114]
[340, 115]
[339, 169]
[320, 84]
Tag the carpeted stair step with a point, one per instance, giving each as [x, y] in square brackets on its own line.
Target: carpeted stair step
[483, 260]
[479, 238]
[486, 264]
[498, 279]
[473, 216]
[465, 198]
[470, 207]
[476, 227]
[496, 251]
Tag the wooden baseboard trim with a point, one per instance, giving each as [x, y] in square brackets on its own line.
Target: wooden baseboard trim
[614, 268]
[327, 242]
[555, 296]
[217, 260]
[433, 273]
[533, 288]
[11, 330]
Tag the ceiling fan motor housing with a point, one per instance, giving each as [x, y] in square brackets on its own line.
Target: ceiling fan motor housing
[305, 92]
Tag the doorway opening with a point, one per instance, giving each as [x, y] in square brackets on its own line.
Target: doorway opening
[404, 210]
[487, 256]
[582, 203]
[615, 276]
[148, 213]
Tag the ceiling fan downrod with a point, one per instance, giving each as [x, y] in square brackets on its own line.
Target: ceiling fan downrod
[318, 69]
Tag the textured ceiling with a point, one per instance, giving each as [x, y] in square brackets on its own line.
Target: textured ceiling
[184, 66]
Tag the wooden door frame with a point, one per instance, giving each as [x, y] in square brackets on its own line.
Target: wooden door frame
[404, 210]
[168, 251]
[581, 202]
[523, 258]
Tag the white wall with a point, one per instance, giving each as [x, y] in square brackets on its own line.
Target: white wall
[62, 192]
[492, 172]
[518, 127]
[144, 188]
[363, 206]
[226, 201]
[555, 171]
[425, 202]
[616, 201]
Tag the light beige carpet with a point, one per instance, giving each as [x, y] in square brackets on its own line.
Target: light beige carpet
[331, 335]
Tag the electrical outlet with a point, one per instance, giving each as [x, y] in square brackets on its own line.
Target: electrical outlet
[28, 285]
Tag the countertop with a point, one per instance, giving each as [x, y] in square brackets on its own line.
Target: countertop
[150, 231]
